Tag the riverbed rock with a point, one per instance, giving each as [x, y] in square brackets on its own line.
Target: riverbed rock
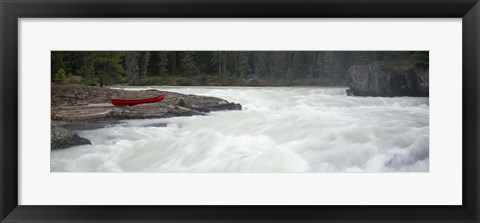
[62, 138]
[377, 79]
[82, 103]
[79, 107]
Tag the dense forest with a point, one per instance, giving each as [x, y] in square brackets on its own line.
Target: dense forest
[231, 68]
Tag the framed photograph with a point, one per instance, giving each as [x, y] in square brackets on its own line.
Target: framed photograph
[228, 111]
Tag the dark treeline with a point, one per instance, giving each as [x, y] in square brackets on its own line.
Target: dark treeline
[217, 67]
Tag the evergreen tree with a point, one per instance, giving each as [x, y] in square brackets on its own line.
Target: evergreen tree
[243, 67]
[280, 63]
[163, 63]
[113, 66]
[57, 63]
[188, 66]
[143, 61]
[420, 57]
[329, 64]
[172, 66]
[219, 59]
[107, 65]
[320, 65]
[153, 68]
[260, 64]
[131, 66]
[362, 57]
[60, 76]
[396, 56]
[296, 67]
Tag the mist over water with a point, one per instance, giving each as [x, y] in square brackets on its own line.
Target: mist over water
[280, 129]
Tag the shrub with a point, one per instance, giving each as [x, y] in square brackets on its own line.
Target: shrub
[90, 81]
[420, 57]
[121, 79]
[86, 71]
[183, 102]
[60, 76]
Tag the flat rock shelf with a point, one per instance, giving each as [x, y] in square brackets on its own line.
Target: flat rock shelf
[78, 107]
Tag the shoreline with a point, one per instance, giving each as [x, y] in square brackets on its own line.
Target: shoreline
[79, 107]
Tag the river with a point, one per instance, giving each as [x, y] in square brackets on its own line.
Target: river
[280, 129]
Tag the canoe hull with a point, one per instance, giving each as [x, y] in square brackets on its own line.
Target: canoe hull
[137, 101]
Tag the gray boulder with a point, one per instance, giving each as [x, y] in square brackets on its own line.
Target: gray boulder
[62, 138]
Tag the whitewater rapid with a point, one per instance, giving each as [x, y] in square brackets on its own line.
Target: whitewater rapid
[280, 129]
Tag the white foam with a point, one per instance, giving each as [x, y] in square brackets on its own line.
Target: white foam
[288, 129]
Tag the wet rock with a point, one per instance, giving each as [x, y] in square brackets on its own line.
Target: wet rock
[62, 138]
[83, 103]
[379, 80]
[228, 106]
[78, 107]
[162, 124]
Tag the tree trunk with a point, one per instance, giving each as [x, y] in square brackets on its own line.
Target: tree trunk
[131, 66]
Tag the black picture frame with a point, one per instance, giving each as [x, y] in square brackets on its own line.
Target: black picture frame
[12, 10]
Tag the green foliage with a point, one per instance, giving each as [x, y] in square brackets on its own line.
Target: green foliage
[183, 102]
[154, 64]
[222, 68]
[289, 77]
[185, 81]
[60, 76]
[279, 63]
[420, 57]
[296, 66]
[90, 81]
[163, 63]
[57, 63]
[260, 66]
[86, 71]
[362, 57]
[188, 66]
[121, 79]
[143, 62]
[243, 67]
[107, 65]
[396, 56]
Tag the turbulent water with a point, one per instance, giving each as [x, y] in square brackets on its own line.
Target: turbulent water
[288, 129]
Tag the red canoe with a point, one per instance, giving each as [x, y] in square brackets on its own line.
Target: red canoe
[137, 101]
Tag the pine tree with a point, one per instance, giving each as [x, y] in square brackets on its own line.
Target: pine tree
[107, 65]
[243, 67]
[131, 66]
[280, 63]
[153, 68]
[361, 57]
[329, 63]
[420, 57]
[172, 65]
[60, 76]
[188, 66]
[163, 63]
[219, 59]
[296, 65]
[308, 63]
[143, 61]
[260, 64]
[57, 62]
[320, 65]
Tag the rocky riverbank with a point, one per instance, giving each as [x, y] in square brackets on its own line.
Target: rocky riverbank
[387, 80]
[79, 107]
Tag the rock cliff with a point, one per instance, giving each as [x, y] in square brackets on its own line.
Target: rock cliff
[377, 79]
